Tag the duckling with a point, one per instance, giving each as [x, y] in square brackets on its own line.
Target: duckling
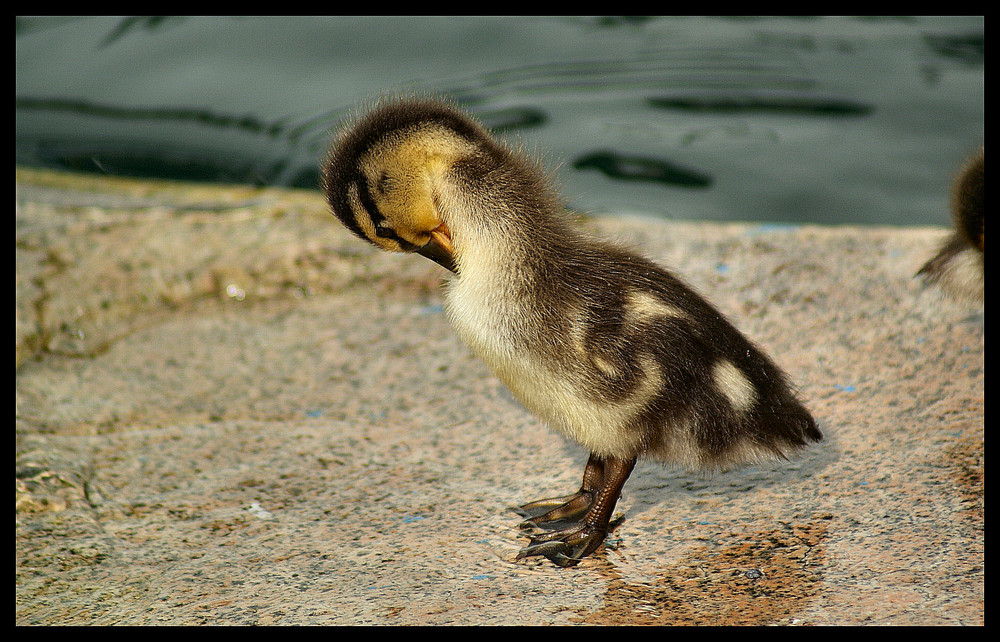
[612, 350]
[958, 268]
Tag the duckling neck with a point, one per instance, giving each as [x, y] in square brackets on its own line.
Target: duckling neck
[507, 236]
[493, 241]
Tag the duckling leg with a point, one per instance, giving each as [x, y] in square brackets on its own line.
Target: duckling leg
[567, 547]
[567, 507]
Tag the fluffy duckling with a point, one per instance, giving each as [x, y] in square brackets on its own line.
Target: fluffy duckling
[959, 268]
[609, 348]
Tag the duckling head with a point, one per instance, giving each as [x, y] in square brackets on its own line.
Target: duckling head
[386, 176]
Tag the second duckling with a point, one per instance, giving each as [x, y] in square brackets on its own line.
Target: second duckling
[604, 345]
[959, 267]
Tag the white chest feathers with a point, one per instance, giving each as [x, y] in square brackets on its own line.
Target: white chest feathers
[553, 384]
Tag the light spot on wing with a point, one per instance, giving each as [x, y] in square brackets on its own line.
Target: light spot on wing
[643, 307]
[734, 385]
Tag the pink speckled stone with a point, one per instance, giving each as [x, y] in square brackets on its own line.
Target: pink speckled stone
[229, 411]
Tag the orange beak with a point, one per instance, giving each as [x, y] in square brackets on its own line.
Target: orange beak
[439, 248]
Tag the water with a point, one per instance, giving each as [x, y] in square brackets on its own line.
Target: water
[798, 120]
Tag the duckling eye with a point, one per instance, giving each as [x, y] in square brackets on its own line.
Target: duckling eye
[383, 182]
[384, 230]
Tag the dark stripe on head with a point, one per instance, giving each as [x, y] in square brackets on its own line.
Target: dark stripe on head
[378, 218]
[338, 175]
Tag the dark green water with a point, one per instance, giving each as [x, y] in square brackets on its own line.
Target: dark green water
[794, 120]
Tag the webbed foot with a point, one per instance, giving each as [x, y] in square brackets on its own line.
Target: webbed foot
[564, 548]
[556, 512]
[576, 525]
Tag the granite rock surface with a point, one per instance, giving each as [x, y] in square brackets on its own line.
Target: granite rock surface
[228, 410]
